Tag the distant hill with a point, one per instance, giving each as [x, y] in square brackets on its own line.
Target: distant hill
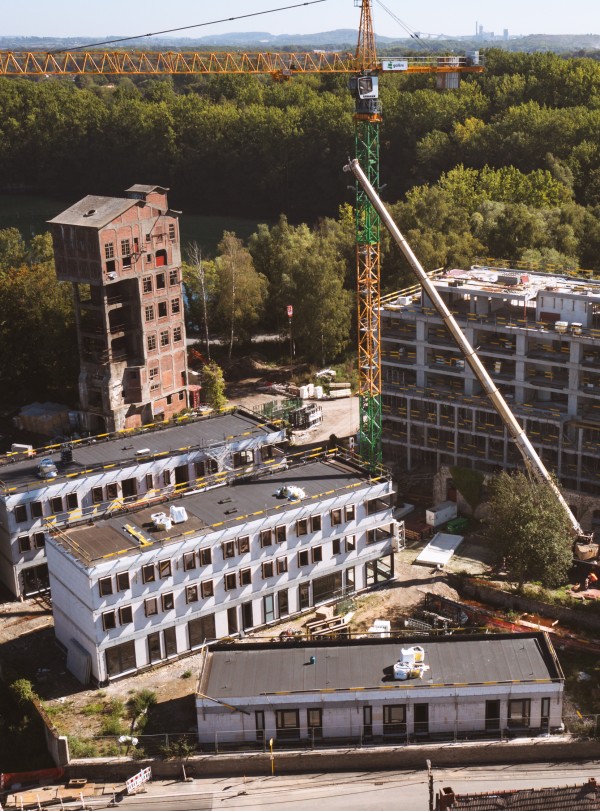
[340, 39]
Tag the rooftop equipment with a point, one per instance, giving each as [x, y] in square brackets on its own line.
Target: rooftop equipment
[411, 664]
[46, 469]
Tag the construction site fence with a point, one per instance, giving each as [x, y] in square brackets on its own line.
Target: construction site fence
[179, 745]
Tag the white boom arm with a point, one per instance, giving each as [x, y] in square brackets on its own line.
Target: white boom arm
[532, 461]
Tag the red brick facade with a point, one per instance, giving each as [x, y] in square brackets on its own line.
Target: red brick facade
[123, 258]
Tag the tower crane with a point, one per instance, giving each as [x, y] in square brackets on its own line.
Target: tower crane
[364, 69]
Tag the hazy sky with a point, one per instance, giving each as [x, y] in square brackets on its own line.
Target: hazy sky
[79, 18]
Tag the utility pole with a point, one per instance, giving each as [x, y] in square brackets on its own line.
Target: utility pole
[290, 313]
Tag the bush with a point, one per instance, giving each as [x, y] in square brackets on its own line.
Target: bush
[112, 725]
[93, 709]
[81, 748]
[140, 702]
[22, 691]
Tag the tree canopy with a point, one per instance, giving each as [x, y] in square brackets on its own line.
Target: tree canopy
[529, 528]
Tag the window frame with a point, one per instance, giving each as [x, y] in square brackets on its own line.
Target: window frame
[20, 513]
[192, 594]
[207, 589]
[167, 601]
[316, 554]
[302, 527]
[350, 512]
[124, 612]
[303, 558]
[243, 545]
[523, 718]
[105, 586]
[268, 570]
[316, 522]
[266, 538]
[336, 517]
[119, 581]
[281, 565]
[149, 573]
[165, 569]
[189, 561]
[229, 581]
[228, 549]
[151, 606]
[109, 620]
[245, 576]
[204, 553]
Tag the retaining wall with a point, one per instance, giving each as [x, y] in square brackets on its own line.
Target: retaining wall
[563, 748]
[479, 590]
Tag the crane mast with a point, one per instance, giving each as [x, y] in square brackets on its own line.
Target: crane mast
[367, 117]
[533, 463]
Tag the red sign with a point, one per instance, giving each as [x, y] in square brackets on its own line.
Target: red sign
[290, 310]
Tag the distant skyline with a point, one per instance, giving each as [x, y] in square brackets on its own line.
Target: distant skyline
[68, 18]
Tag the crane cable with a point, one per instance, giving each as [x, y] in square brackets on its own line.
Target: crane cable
[187, 27]
[412, 34]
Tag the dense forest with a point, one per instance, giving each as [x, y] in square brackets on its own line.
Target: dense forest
[507, 165]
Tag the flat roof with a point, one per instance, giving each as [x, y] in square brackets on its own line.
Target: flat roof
[209, 509]
[121, 450]
[524, 285]
[238, 671]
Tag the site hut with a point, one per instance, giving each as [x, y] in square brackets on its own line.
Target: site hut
[128, 593]
[537, 335]
[93, 477]
[122, 256]
[469, 686]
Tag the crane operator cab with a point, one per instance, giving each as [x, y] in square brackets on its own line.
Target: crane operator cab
[365, 89]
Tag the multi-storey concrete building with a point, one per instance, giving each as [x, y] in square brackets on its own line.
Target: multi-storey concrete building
[538, 336]
[471, 686]
[123, 258]
[97, 476]
[131, 591]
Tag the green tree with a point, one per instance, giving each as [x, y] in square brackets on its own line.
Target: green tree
[200, 282]
[213, 386]
[241, 290]
[529, 527]
[37, 329]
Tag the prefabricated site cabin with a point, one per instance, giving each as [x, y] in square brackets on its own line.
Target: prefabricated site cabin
[472, 686]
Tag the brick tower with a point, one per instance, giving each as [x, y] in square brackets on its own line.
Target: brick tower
[122, 256]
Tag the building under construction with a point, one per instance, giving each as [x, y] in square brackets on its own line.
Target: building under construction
[537, 335]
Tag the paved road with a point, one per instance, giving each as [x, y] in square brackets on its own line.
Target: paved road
[369, 791]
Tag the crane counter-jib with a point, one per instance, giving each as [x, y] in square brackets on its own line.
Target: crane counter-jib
[530, 456]
[144, 62]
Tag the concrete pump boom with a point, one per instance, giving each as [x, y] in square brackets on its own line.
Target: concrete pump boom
[530, 456]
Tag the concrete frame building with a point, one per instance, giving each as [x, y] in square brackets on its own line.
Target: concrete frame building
[473, 686]
[538, 336]
[98, 476]
[127, 595]
[123, 259]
